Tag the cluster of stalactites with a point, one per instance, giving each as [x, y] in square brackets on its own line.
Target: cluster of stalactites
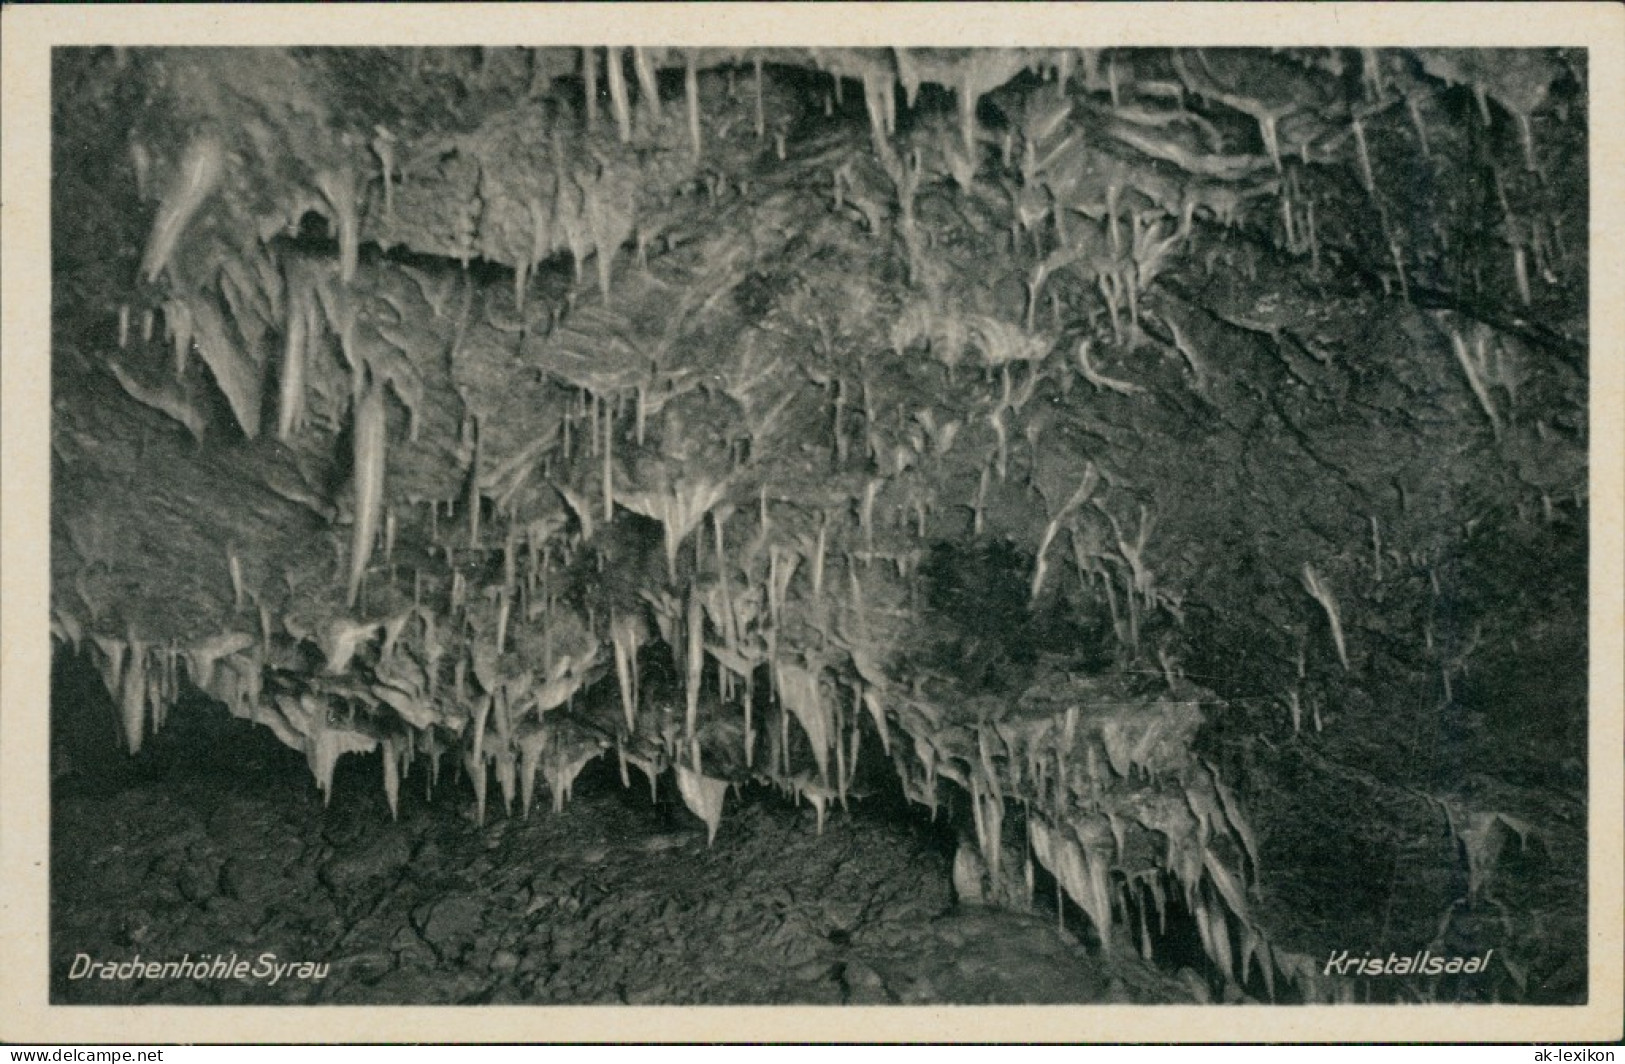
[1118, 810]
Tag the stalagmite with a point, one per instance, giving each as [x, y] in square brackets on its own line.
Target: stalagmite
[370, 432]
[197, 177]
[617, 94]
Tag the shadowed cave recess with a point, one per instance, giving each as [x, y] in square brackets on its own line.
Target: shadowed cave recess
[876, 526]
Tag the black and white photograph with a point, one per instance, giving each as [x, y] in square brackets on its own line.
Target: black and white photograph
[692, 522]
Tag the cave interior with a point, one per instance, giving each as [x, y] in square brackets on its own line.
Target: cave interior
[939, 524]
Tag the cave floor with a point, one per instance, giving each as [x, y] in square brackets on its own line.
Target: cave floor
[615, 899]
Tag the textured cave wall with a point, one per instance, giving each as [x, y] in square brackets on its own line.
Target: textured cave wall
[1181, 455]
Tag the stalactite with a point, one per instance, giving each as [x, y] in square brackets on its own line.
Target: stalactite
[1520, 273]
[201, 168]
[617, 94]
[648, 88]
[866, 513]
[370, 432]
[1366, 176]
[818, 558]
[392, 778]
[339, 188]
[695, 658]
[1321, 593]
[609, 462]
[1002, 455]
[761, 112]
[801, 694]
[691, 91]
[840, 755]
[561, 775]
[1413, 104]
[133, 697]
[479, 777]
[589, 79]
[507, 777]
[1398, 257]
[234, 567]
[627, 633]
[296, 345]
[383, 145]
[874, 86]
[704, 797]
[474, 487]
[1314, 238]
[967, 113]
[236, 371]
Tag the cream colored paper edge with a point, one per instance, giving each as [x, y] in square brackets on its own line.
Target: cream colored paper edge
[29, 32]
